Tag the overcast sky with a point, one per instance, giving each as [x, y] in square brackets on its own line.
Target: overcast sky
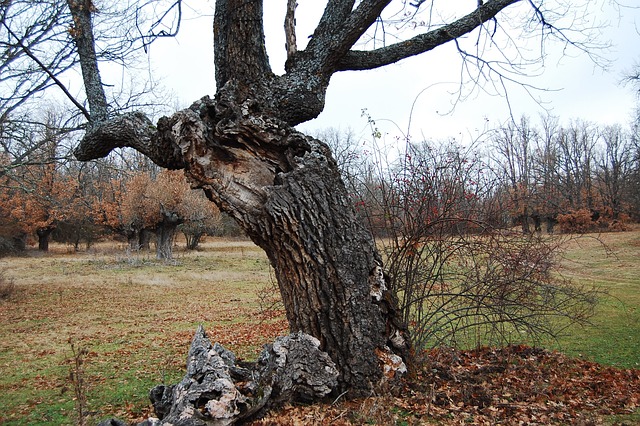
[577, 87]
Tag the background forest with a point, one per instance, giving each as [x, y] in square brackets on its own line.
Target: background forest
[540, 176]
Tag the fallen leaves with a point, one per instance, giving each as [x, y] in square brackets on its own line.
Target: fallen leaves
[513, 385]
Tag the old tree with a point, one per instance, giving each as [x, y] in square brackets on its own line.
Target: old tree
[283, 187]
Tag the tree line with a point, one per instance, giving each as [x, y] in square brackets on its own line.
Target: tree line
[577, 177]
[47, 195]
[545, 177]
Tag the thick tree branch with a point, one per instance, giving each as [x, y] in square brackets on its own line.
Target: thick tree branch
[340, 28]
[82, 33]
[135, 130]
[335, 13]
[238, 36]
[364, 60]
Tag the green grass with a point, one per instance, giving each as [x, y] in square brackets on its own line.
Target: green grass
[610, 262]
[136, 316]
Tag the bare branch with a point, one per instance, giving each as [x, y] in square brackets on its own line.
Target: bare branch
[363, 60]
[152, 33]
[290, 28]
[47, 70]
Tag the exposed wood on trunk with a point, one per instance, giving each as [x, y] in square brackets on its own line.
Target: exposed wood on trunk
[289, 197]
[290, 28]
[283, 187]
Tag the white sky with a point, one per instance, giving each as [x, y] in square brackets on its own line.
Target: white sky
[582, 90]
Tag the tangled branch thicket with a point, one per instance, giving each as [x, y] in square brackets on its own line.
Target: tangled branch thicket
[462, 275]
[496, 288]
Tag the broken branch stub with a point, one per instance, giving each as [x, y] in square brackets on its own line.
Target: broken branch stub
[218, 390]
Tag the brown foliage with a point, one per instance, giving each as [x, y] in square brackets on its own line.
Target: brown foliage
[38, 197]
[139, 201]
[513, 385]
[584, 220]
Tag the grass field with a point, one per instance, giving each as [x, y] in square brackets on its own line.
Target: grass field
[610, 262]
[135, 317]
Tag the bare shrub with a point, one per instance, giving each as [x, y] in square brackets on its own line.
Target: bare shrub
[77, 380]
[460, 281]
[496, 288]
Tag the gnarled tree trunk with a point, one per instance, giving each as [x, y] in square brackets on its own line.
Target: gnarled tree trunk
[165, 234]
[284, 188]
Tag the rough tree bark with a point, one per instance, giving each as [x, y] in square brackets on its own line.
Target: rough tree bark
[82, 33]
[284, 188]
[165, 234]
[43, 237]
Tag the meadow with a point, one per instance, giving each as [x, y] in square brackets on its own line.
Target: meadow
[129, 319]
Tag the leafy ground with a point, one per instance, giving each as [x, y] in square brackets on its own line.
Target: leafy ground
[135, 317]
[513, 385]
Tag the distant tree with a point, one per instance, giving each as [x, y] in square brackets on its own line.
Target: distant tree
[634, 196]
[613, 170]
[577, 143]
[38, 194]
[634, 182]
[117, 212]
[201, 217]
[163, 209]
[547, 172]
[513, 146]
[158, 204]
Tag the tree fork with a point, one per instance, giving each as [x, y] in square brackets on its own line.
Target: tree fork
[283, 187]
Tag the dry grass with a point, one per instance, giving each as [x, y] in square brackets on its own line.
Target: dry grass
[134, 315]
